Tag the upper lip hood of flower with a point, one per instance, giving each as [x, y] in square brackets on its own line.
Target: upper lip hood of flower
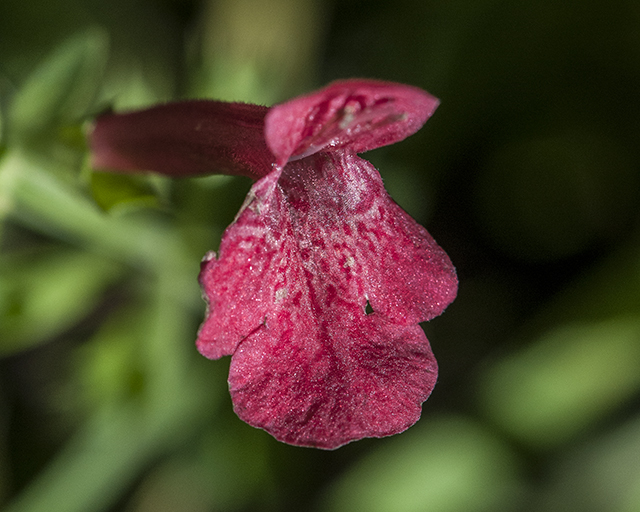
[356, 114]
[317, 244]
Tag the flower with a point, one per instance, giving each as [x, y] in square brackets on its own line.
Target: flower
[320, 283]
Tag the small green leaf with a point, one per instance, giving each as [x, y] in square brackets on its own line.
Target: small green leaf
[41, 296]
[567, 380]
[443, 465]
[62, 90]
[122, 191]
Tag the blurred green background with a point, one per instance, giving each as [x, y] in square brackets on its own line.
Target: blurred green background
[527, 175]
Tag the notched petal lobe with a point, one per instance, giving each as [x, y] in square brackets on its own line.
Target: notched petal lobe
[310, 365]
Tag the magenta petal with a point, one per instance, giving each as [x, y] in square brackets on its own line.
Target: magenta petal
[339, 202]
[312, 383]
[184, 139]
[289, 296]
[355, 114]
[239, 286]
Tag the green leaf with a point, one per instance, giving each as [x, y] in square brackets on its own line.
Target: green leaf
[122, 191]
[99, 463]
[42, 295]
[445, 465]
[62, 90]
[568, 379]
[582, 360]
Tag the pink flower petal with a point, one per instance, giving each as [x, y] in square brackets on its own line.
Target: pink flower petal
[310, 382]
[289, 296]
[184, 139]
[239, 286]
[355, 114]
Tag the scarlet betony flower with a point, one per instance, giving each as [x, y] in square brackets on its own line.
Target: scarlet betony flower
[321, 281]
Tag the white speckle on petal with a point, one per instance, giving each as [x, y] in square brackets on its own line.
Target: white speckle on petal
[211, 255]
